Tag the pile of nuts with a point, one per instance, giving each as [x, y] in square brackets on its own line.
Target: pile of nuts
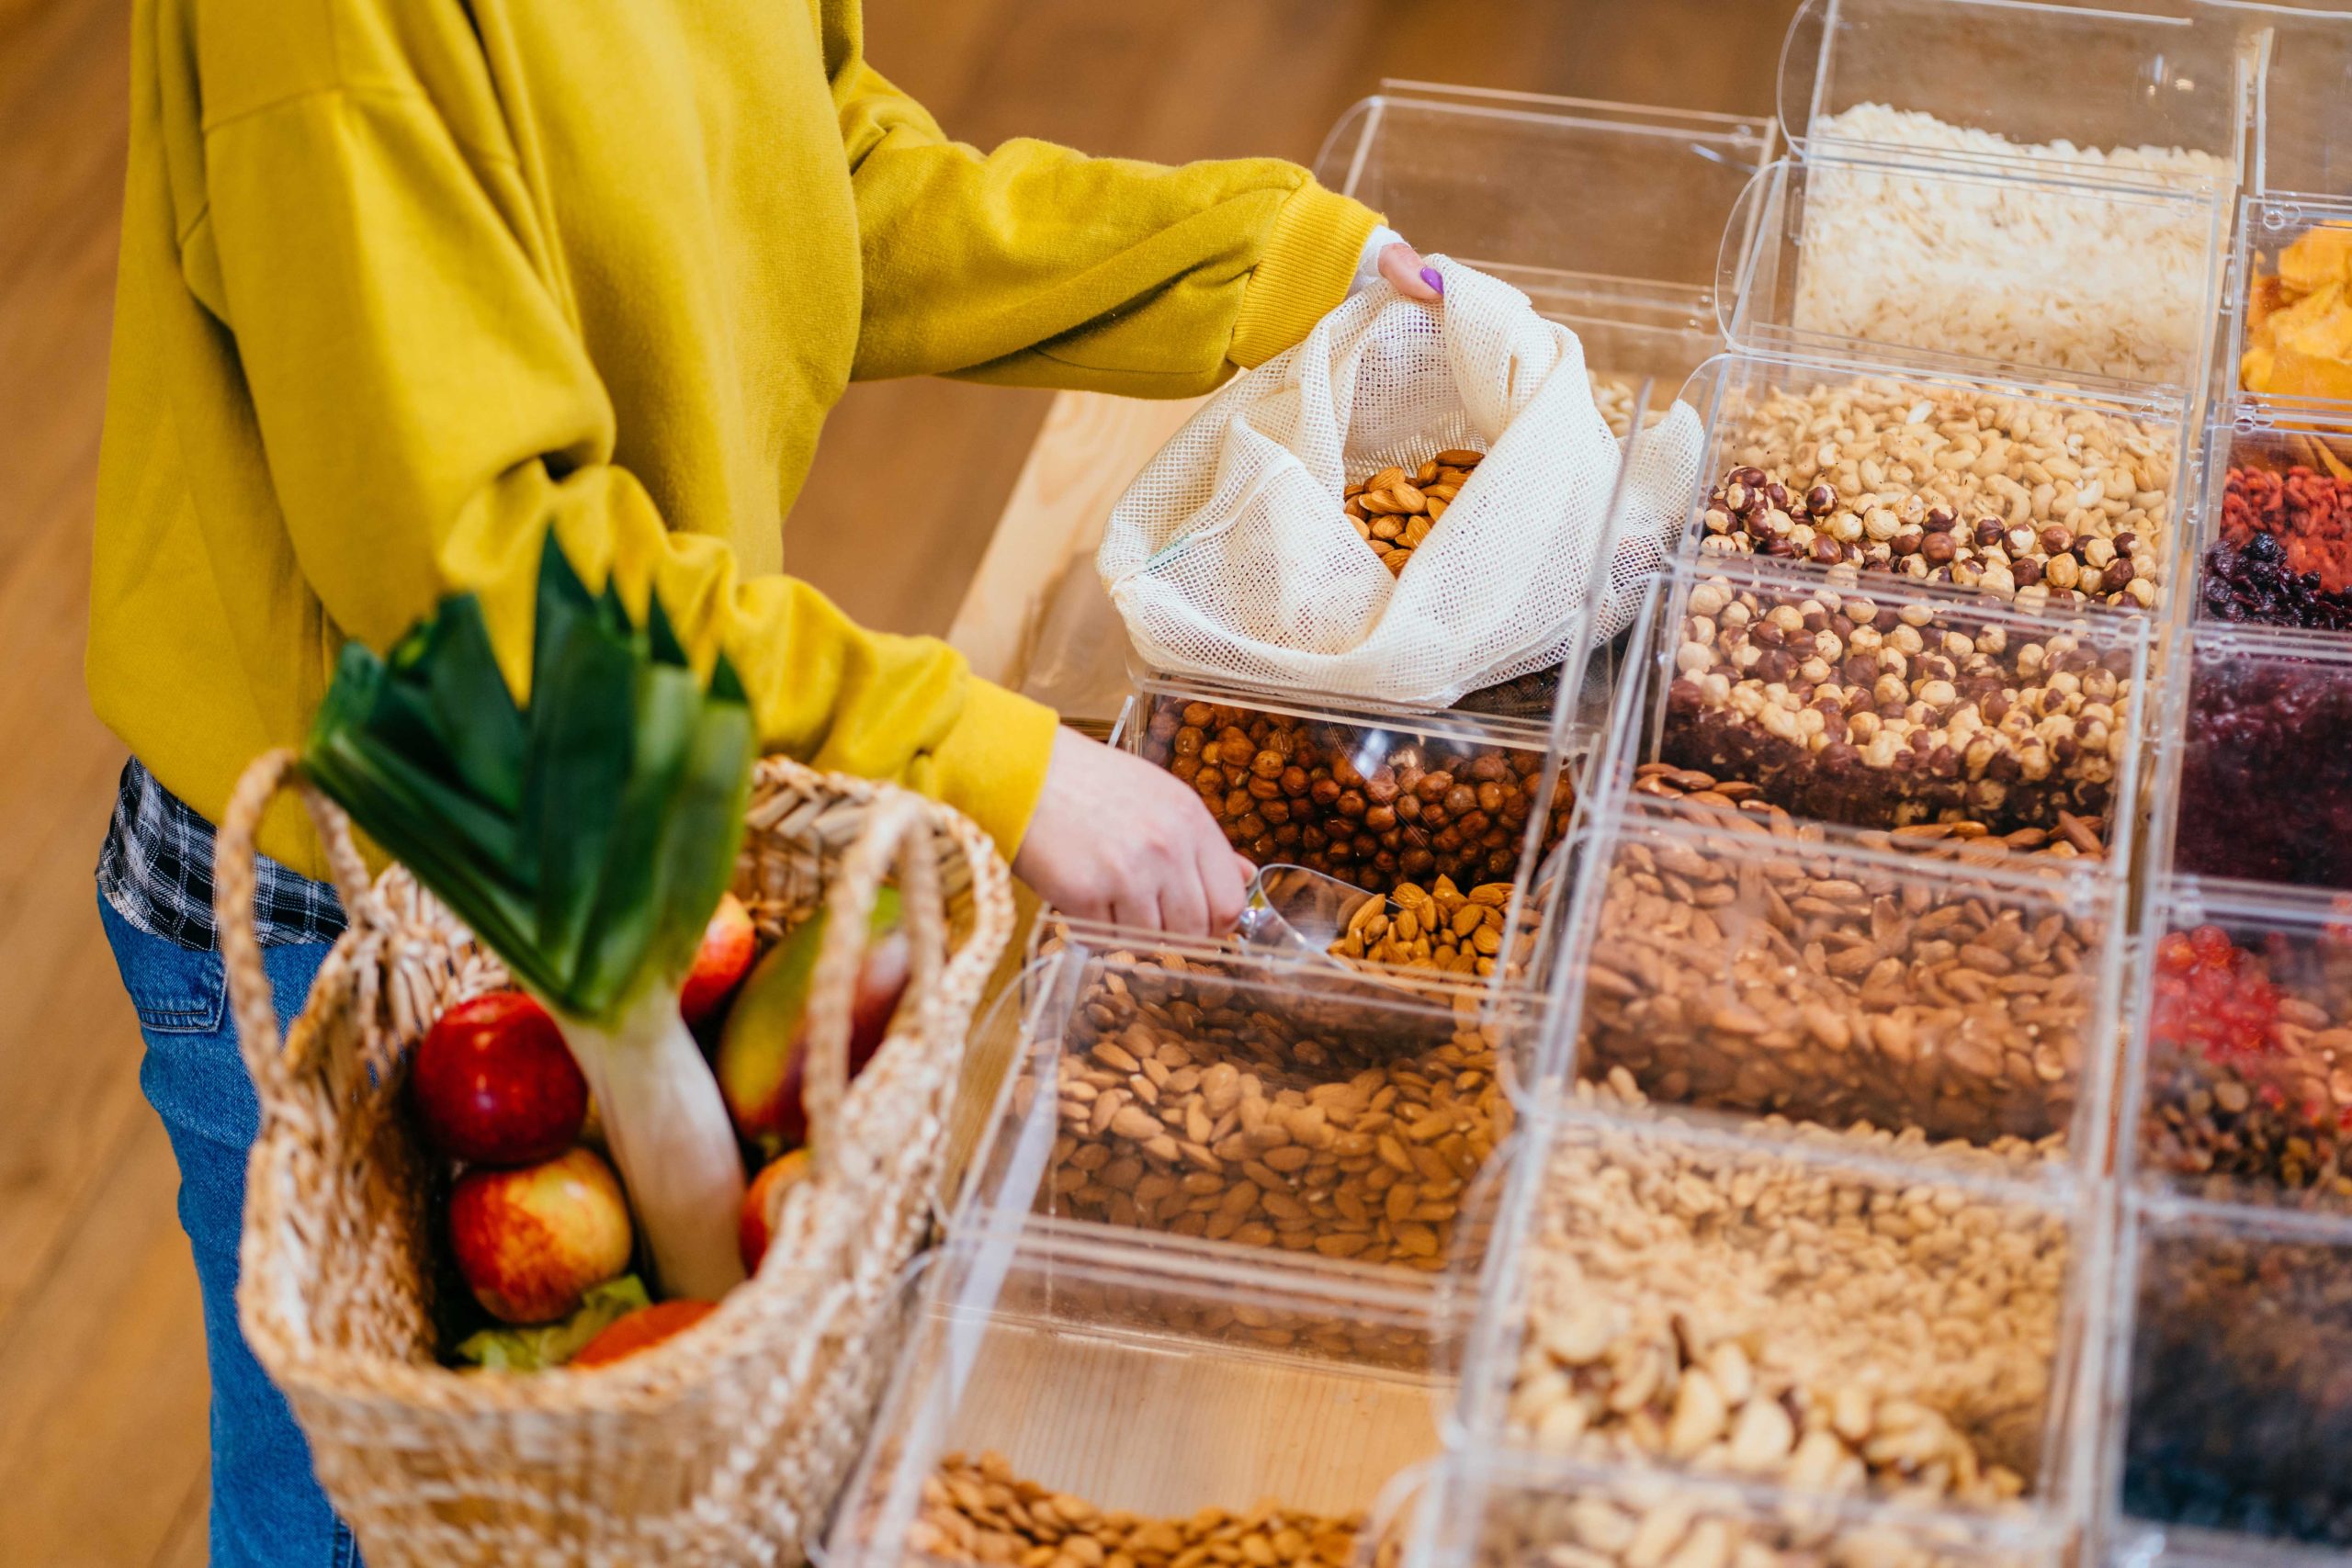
[2249, 1067]
[1969, 842]
[1845, 710]
[2039, 503]
[1752, 971]
[1442, 929]
[1394, 510]
[1193, 1106]
[1613, 396]
[1651, 1522]
[2241, 1409]
[1370, 806]
[978, 1510]
[1743, 1313]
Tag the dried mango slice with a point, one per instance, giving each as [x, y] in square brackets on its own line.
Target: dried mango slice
[2319, 258]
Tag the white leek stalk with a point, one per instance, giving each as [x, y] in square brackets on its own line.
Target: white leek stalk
[668, 1131]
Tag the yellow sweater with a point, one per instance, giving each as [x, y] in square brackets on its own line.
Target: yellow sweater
[403, 280]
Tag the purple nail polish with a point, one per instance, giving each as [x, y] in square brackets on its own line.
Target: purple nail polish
[1435, 279]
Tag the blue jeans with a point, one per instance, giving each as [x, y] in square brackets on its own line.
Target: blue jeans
[266, 1506]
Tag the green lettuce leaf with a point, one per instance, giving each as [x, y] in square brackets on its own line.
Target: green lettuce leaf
[541, 1346]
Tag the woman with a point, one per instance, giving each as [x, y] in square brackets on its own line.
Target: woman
[403, 281]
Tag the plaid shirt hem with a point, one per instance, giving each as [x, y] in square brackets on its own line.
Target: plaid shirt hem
[156, 870]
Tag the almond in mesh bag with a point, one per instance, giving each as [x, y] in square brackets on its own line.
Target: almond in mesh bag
[1232, 554]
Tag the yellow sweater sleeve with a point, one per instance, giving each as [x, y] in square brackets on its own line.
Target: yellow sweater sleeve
[1035, 266]
[428, 408]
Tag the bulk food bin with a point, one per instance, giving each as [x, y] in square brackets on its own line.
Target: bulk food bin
[2289, 327]
[1917, 990]
[1260, 1112]
[2240, 1076]
[1508, 1510]
[1607, 216]
[2051, 273]
[1803, 1315]
[2274, 518]
[2041, 497]
[1885, 703]
[2138, 90]
[2257, 761]
[2230, 1398]
[2298, 59]
[1382, 797]
[1093, 1406]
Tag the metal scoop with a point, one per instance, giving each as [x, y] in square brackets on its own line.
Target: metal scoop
[1297, 912]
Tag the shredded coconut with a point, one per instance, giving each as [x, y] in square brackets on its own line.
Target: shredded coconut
[1970, 261]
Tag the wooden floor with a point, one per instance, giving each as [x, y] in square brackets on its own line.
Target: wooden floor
[101, 1362]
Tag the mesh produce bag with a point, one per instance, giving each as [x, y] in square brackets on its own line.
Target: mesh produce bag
[1230, 555]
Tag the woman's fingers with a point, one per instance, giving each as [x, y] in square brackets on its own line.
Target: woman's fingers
[1409, 276]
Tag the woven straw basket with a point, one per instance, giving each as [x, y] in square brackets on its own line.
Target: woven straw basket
[725, 1445]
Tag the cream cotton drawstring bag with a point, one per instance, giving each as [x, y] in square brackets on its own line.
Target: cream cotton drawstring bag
[1230, 555]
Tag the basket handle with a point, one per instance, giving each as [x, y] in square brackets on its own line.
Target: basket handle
[234, 861]
[900, 829]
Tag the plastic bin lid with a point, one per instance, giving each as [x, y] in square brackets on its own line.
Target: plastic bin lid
[1586, 204]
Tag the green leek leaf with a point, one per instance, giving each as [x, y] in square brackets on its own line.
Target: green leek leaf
[584, 836]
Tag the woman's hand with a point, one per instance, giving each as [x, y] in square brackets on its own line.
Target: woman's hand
[1403, 267]
[1116, 838]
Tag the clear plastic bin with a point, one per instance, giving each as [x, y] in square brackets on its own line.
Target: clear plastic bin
[2259, 757]
[2243, 1054]
[2274, 540]
[1254, 1112]
[2040, 497]
[2232, 1397]
[1608, 215]
[1150, 1410]
[2064, 83]
[1975, 714]
[1793, 1313]
[1376, 797]
[2058, 276]
[1511, 1510]
[2298, 57]
[2291, 329]
[1933, 989]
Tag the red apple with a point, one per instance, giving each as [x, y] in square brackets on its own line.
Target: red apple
[642, 1330]
[721, 963]
[761, 1199]
[764, 1051]
[494, 1083]
[532, 1242]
